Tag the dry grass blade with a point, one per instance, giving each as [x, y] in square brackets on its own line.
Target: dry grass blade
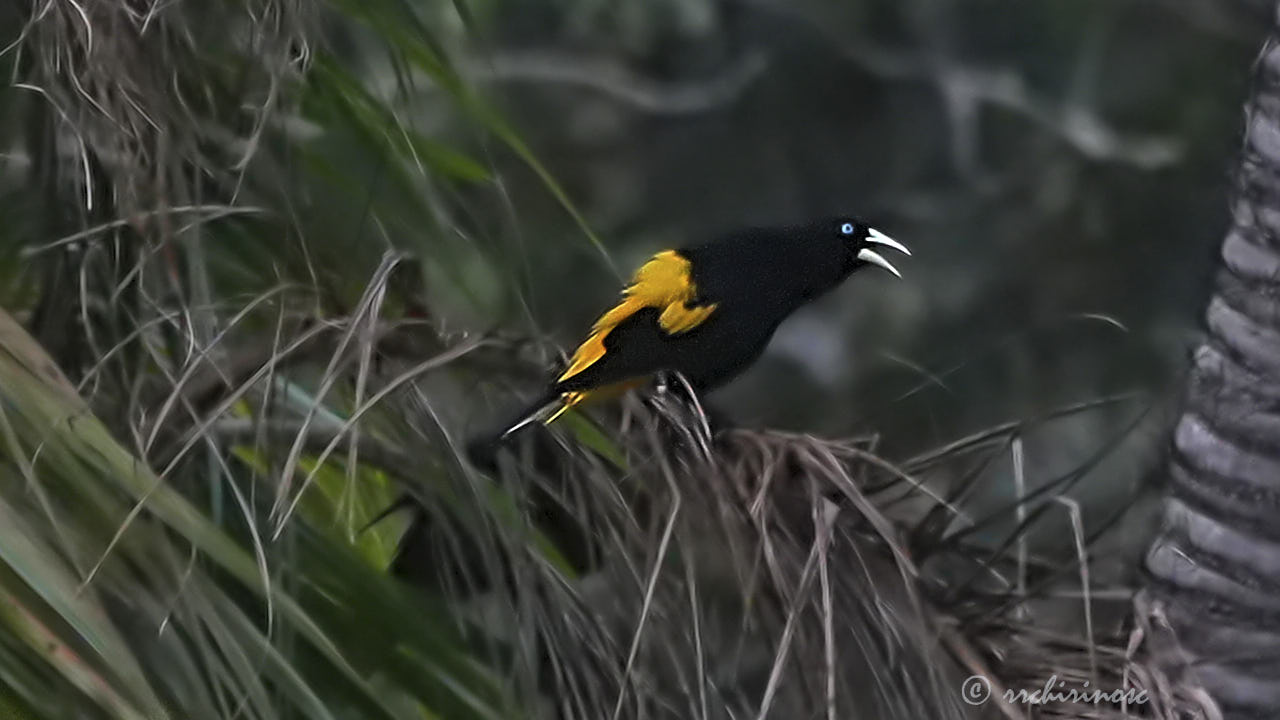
[212, 212]
[365, 313]
[396, 383]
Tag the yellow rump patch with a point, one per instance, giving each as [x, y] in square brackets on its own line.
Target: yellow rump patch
[571, 399]
[664, 282]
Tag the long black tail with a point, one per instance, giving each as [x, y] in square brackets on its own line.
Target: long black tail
[425, 558]
[482, 448]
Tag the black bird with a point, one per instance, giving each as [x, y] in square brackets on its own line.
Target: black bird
[707, 311]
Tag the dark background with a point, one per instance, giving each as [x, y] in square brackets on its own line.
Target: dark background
[1058, 168]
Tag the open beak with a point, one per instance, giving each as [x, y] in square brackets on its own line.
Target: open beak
[873, 257]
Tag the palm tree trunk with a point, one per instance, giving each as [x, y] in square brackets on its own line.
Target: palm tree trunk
[1215, 567]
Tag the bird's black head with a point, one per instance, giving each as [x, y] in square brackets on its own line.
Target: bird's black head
[859, 243]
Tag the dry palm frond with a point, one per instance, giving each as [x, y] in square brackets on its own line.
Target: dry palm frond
[765, 574]
[146, 117]
[138, 116]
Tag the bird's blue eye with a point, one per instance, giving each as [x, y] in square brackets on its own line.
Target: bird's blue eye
[846, 229]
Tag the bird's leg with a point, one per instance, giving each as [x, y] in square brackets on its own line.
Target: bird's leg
[670, 386]
[662, 383]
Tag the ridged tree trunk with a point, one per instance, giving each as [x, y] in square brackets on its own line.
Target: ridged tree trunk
[1215, 568]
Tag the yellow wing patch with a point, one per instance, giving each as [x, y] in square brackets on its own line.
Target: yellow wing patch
[663, 282]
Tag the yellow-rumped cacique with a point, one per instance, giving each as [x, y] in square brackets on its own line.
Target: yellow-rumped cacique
[707, 311]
